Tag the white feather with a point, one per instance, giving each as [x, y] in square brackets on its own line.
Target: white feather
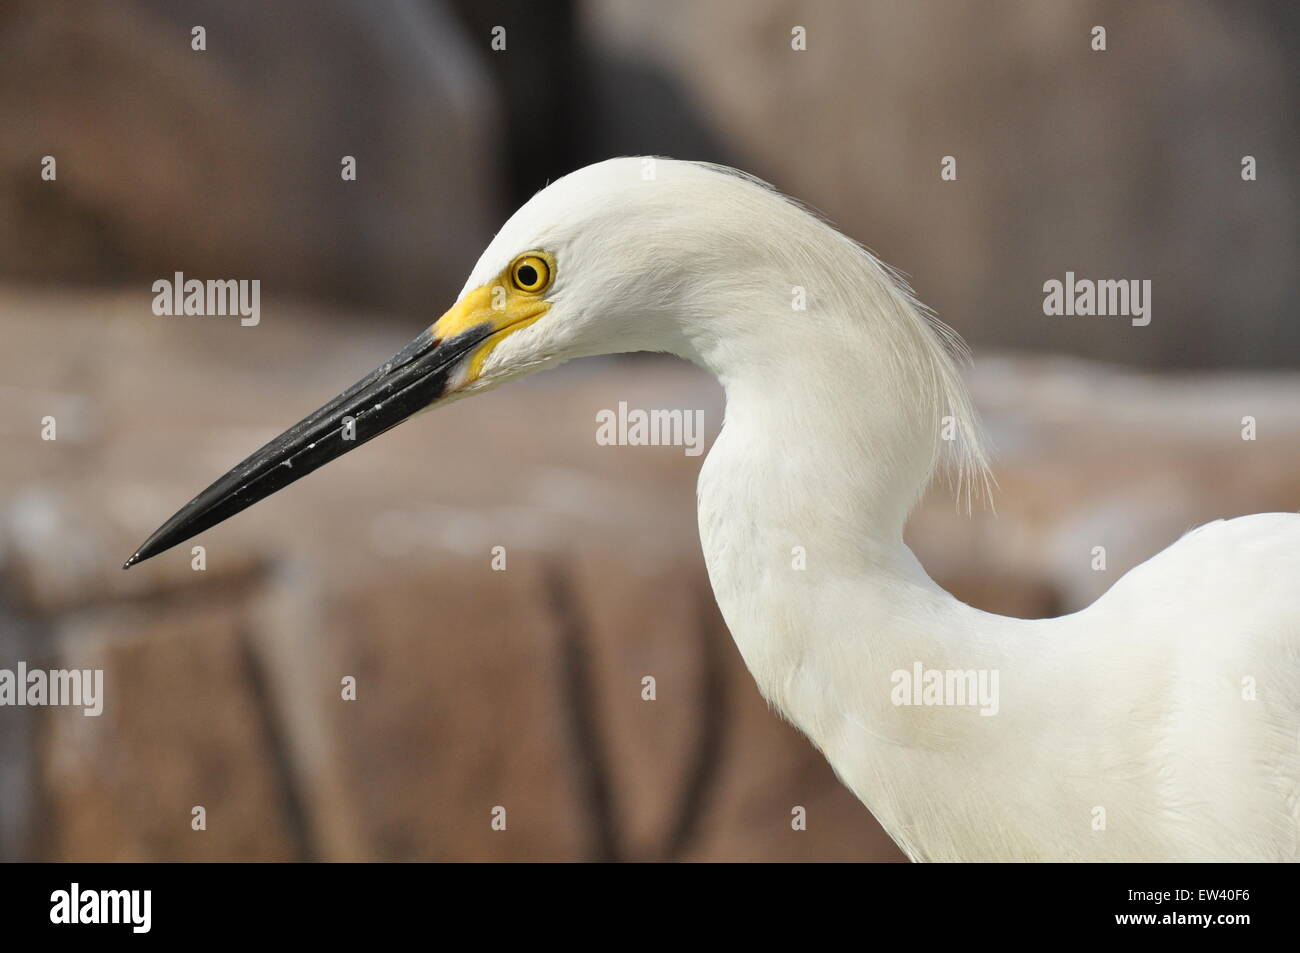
[1124, 732]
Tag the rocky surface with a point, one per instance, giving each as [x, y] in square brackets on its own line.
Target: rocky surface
[226, 162]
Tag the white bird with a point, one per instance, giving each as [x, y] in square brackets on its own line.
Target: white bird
[1160, 723]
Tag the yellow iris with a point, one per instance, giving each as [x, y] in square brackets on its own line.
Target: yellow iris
[530, 274]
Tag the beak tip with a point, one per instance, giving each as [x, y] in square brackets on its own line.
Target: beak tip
[412, 380]
[139, 556]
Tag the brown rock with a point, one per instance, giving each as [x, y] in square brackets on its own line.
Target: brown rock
[182, 727]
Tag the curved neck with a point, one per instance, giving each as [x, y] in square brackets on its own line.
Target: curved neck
[802, 502]
[823, 461]
[828, 441]
[833, 423]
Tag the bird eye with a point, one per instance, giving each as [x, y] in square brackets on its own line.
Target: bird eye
[530, 273]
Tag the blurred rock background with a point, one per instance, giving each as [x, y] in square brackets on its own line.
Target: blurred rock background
[523, 688]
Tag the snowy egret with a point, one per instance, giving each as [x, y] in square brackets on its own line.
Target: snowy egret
[1158, 724]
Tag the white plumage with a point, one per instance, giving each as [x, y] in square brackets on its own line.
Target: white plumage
[1161, 723]
[1126, 731]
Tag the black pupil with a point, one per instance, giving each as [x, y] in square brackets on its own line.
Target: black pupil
[527, 275]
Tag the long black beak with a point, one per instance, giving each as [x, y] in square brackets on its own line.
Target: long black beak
[411, 380]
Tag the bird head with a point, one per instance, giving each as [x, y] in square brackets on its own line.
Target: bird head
[580, 269]
[631, 254]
